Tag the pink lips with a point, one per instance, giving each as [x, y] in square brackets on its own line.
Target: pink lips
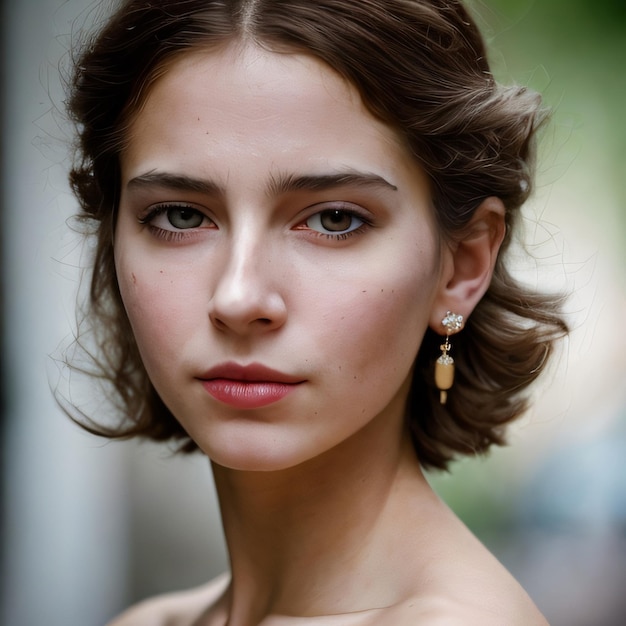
[248, 387]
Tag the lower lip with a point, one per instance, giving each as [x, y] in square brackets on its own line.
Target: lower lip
[247, 395]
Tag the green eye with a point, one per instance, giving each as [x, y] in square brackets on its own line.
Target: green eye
[184, 217]
[176, 217]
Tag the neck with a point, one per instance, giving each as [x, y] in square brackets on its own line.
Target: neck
[307, 540]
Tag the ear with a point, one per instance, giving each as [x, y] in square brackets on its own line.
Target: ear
[468, 263]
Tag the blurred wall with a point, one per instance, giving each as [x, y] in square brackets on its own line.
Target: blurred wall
[65, 527]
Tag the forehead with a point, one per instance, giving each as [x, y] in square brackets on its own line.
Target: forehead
[243, 101]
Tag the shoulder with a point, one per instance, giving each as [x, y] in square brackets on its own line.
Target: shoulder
[173, 609]
[488, 600]
[476, 616]
[445, 612]
[466, 585]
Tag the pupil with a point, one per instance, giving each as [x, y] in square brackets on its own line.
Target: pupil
[184, 218]
[336, 220]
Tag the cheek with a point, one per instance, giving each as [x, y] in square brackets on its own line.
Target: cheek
[159, 308]
[376, 325]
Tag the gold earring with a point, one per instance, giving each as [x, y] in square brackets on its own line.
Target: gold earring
[444, 366]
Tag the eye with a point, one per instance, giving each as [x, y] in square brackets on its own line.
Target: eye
[334, 222]
[183, 217]
[175, 217]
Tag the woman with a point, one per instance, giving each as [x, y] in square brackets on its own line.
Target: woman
[301, 210]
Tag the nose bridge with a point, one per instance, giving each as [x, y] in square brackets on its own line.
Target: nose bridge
[246, 293]
[244, 259]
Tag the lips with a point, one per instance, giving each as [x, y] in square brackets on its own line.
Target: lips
[248, 386]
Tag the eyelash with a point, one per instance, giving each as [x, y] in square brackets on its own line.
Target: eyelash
[174, 236]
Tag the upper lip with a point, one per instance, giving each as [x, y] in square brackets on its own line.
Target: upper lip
[254, 372]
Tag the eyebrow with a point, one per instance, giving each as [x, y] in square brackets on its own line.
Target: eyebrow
[281, 184]
[177, 182]
[350, 178]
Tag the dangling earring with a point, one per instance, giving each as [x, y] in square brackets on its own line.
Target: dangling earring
[444, 366]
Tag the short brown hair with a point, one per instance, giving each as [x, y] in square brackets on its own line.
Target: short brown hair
[421, 67]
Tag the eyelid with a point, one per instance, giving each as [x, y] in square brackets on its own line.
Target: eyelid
[342, 205]
[150, 211]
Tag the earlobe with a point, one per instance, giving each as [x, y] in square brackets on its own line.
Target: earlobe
[470, 263]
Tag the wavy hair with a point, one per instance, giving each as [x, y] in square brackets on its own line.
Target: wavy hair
[421, 67]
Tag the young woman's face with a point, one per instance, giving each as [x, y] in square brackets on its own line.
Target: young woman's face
[276, 254]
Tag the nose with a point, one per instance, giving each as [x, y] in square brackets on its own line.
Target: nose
[247, 297]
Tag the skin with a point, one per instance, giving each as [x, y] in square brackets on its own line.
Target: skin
[327, 516]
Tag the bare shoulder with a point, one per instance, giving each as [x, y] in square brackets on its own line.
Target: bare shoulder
[472, 589]
[521, 614]
[174, 609]
[465, 585]
[487, 600]
[447, 612]
[476, 616]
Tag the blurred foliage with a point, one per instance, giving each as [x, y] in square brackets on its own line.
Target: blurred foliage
[573, 52]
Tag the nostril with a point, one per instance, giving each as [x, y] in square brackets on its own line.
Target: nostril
[222, 325]
[245, 313]
[218, 323]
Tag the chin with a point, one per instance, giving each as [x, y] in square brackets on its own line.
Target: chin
[249, 450]
[255, 461]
